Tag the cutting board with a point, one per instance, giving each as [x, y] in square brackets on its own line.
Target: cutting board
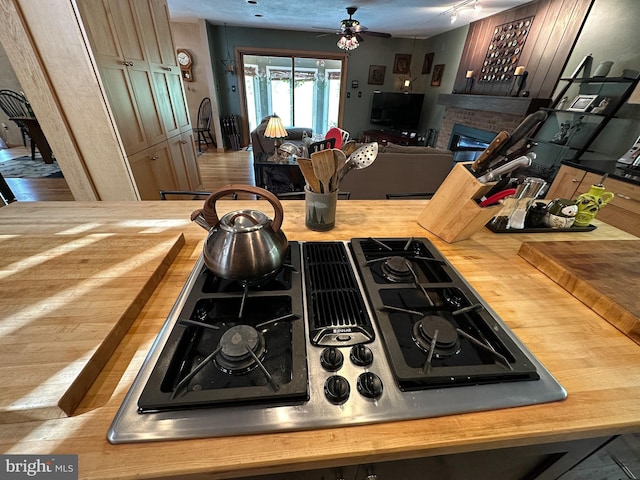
[66, 301]
[604, 275]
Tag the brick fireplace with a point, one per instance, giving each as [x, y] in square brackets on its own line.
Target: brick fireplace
[486, 112]
[483, 120]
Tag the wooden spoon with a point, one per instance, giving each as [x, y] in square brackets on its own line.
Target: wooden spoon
[349, 147]
[324, 167]
[309, 175]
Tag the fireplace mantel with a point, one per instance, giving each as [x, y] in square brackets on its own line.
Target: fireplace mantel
[490, 103]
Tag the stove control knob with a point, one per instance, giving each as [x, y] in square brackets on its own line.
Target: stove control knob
[369, 385]
[336, 389]
[331, 359]
[361, 355]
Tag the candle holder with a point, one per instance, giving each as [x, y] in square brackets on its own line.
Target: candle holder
[469, 81]
[519, 78]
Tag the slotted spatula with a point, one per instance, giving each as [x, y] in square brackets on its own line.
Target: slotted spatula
[361, 158]
[324, 167]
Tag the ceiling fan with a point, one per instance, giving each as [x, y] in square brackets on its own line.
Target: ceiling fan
[351, 31]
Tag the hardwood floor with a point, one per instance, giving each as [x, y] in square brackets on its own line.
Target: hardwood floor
[216, 169]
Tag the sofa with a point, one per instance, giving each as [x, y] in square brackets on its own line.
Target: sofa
[261, 144]
[399, 170]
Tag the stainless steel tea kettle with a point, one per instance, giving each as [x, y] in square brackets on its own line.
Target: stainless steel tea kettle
[243, 245]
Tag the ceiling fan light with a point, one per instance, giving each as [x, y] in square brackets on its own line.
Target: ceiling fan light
[348, 42]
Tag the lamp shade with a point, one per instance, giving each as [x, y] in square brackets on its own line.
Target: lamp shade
[275, 129]
[348, 42]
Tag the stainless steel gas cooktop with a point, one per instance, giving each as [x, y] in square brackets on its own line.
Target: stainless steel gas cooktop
[346, 333]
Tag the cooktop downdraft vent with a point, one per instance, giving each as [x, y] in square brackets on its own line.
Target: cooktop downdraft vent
[336, 310]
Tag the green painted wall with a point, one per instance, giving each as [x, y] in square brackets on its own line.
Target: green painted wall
[612, 32]
[373, 51]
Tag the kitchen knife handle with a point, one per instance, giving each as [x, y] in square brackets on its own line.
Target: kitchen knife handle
[482, 161]
[523, 129]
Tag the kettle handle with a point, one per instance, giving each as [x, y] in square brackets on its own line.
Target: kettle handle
[210, 215]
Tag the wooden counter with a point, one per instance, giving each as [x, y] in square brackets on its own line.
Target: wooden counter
[596, 363]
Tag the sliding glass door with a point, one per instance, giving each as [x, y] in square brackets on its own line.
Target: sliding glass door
[302, 91]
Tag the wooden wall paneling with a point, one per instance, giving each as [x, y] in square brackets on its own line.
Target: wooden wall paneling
[537, 40]
[473, 54]
[539, 11]
[553, 33]
[561, 31]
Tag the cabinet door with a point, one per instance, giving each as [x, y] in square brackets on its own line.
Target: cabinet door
[125, 22]
[147, 101]
[623, 211]
[124, 107]
[167, 81]
[184, 161]
[153, 171]
[175, 114]
[190, 159]
[155, 27]
[118, 48]
[566, 183]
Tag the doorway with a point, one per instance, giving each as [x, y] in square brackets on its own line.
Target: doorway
[304, 91]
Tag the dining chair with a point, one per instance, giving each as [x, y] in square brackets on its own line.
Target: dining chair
[409, 196]
[300, 195]
[14, 105]
[203, 126]
[195, 195]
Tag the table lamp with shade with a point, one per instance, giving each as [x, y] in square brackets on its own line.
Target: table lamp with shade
[276, 131]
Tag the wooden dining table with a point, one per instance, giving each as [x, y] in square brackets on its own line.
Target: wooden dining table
[36, 134]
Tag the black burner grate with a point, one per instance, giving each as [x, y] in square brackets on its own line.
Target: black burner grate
[336, 310]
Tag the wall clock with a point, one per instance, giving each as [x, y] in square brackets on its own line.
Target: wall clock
[186, 62]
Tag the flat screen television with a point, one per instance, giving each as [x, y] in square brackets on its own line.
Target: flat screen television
[398, 111]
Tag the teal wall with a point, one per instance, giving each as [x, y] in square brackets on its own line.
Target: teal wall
[612, 32]
[373, 51]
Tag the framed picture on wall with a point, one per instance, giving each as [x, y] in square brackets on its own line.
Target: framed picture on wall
[428, 61]
[376, 74]
[402, 63]
[436, 79]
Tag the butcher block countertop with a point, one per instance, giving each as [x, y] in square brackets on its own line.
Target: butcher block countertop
[595, 362]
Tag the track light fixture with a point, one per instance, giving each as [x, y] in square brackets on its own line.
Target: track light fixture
[453, 11]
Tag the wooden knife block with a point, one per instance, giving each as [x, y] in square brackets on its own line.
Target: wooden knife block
[453, 214]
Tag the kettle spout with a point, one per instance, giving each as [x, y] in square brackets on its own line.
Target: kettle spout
[198, 217]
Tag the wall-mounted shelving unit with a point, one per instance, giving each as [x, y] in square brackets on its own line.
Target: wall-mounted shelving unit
[578, 115]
